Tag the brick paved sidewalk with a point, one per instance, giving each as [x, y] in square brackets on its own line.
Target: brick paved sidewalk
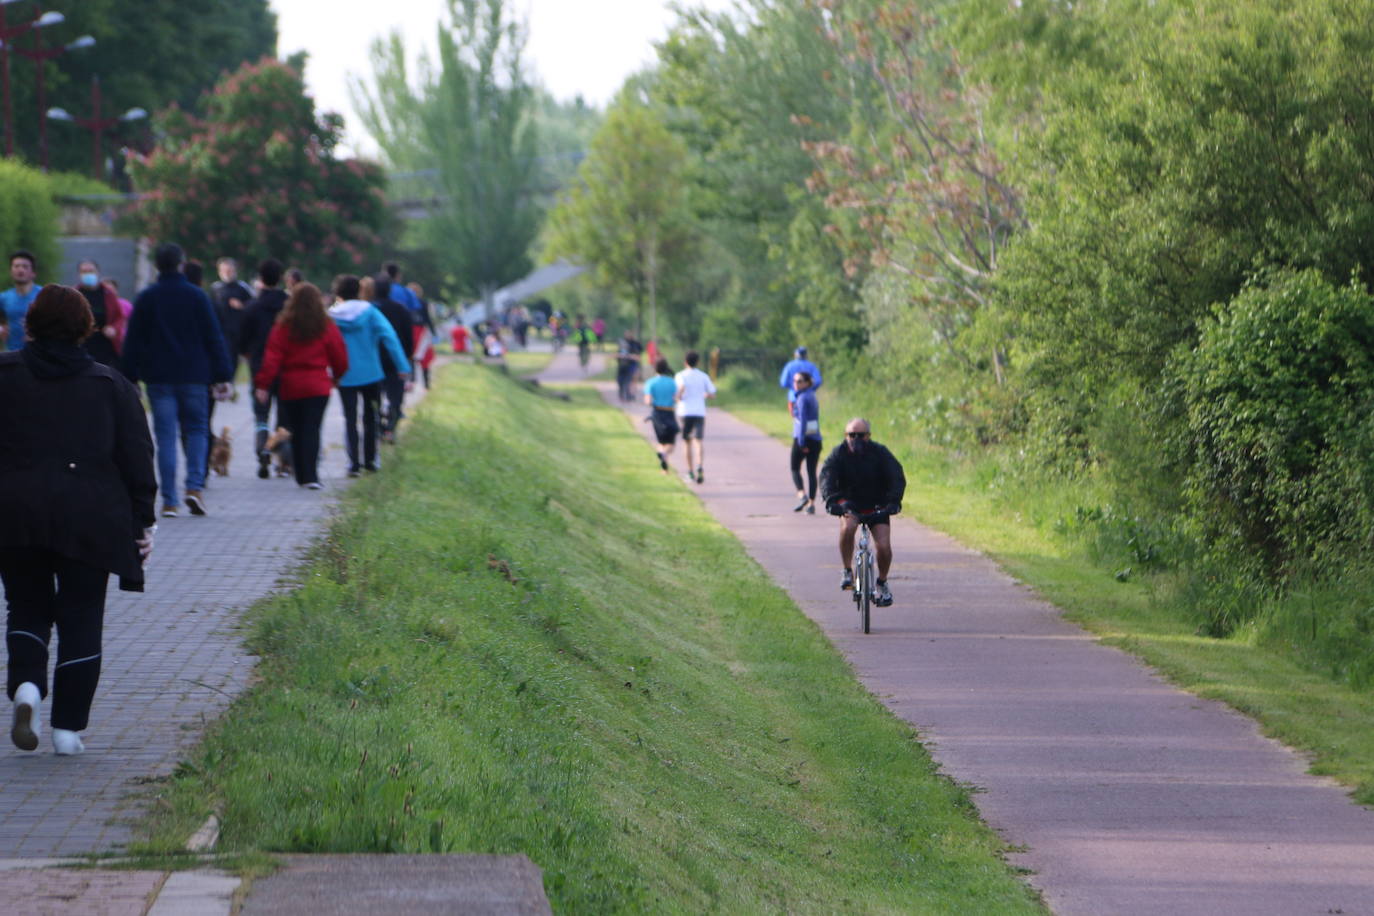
[173, 657]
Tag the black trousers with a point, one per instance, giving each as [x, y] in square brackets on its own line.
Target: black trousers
[44, 589]
[395, 388]
[813, 450]
[303, 416]
[262, 413]
[371, 398]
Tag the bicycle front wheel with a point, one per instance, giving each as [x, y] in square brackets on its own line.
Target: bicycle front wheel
[865, 587]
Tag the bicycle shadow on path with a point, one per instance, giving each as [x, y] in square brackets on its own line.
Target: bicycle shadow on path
[1126, 794]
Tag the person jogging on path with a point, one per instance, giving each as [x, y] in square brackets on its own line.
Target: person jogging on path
[660, 393]
[862, 478]
[693, 388]
[798, 363]
[806, 441]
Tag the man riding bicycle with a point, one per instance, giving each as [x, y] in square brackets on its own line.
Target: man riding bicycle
[862, 482]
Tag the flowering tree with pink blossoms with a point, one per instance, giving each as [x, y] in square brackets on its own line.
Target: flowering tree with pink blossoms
[257, 176]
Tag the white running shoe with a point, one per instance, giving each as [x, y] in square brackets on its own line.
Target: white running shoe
[66, 743]
[27, 713]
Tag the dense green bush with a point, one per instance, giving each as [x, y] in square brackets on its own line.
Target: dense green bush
[1278, 439]
[28, 217]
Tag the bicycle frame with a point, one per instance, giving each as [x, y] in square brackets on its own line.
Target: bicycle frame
[864, 575]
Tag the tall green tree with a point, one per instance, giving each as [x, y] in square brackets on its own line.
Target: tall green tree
[148, 54]
[468, 117]
[259, 176]
[626, 216]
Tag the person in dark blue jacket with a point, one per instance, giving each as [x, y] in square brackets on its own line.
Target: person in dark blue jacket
[806, 440]
[174, 345]
[798, 363]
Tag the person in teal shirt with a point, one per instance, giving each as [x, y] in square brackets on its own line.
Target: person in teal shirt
[14, 302]
[661, 395]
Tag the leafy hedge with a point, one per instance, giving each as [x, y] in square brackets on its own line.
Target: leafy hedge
[1279, 438]
[28, 217]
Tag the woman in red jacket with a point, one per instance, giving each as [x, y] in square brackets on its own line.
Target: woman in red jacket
[305, 355]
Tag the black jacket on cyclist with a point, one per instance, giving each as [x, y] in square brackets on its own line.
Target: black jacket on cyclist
[868, 479]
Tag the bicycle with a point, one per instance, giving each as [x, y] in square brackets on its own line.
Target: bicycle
[865, 574]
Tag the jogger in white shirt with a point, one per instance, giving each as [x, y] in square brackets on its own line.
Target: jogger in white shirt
[693, 388]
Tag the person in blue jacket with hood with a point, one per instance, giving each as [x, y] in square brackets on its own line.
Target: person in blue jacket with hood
[364, 327]
[798, 363]
[806, 440]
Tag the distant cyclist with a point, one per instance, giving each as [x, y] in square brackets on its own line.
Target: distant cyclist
[862, 478]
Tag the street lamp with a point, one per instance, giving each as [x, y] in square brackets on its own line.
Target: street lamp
[40, 57]
[7, 35]
[96, 124]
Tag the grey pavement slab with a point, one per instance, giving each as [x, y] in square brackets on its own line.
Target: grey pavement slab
[1127, 794]
[173, 655]
[368, 885]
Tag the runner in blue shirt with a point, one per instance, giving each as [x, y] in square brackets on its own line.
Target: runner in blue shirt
[661, 395]
[14, 302]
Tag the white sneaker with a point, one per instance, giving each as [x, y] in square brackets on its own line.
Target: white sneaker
[66, 743]
[27, 713]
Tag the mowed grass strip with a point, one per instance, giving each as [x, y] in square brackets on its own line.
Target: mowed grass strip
[1297, 701]
[520, 637]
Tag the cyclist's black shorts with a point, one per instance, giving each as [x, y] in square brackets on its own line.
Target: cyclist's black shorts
[665, 426]
[693, 427]
[876, 518]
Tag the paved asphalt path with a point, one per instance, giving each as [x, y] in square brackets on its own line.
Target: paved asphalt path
[1128, 795]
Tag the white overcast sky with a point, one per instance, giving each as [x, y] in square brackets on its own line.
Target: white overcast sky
[585, 47]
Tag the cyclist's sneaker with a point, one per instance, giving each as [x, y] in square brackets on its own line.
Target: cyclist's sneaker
[884, 596]
[847, 580]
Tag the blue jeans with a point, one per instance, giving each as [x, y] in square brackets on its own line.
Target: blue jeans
[181, 413]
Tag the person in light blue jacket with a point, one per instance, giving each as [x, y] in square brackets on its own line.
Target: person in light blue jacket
[798, 363]
[806, 441]
[364, 327]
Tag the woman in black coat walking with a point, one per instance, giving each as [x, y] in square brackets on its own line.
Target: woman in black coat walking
[76, 504]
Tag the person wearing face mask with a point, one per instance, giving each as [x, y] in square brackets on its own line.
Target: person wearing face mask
[104, 345]
[861, 478]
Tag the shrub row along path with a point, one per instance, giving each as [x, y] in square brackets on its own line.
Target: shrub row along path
[1125, 794]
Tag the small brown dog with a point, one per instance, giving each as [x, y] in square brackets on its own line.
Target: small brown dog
[279, 444]
[221, 451]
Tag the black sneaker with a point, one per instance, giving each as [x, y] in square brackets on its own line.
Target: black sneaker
[663, 463]
[805, 501]
[194, 502]
[847, 580]
[701, 478]
[884, 596]
[264, 464]
[355, 472]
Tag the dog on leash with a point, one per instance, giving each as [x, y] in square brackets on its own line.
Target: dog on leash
[279, 445]
[221, 451]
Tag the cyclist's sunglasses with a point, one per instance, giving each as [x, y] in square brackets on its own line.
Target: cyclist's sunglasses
[856, 435]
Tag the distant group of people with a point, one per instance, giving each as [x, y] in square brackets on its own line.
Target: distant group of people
[80, 481]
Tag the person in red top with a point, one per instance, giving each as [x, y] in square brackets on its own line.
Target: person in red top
[305, 356]
[460, 338]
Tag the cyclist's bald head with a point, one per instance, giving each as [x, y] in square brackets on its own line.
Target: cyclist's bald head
[857, 425]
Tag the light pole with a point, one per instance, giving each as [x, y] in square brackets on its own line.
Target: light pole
[96, 125]
[7, 35]
[40, 57]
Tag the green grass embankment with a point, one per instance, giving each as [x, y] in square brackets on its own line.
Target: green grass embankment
[1036, 530]
[522, 638]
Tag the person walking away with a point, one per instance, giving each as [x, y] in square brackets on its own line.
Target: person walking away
[104, 345]
[660, 393]
[425, 332]
[305, 358]
[393, 383]
[364, 328]
[126, 308]
[174, 346]
[230, 296]
[599, 329]
[583, 336]
[76, 504]
[626, 364]
[693, 388]
[14, 302]
[798, 363]
[806, 441]
[862, 478]
[258, 320]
